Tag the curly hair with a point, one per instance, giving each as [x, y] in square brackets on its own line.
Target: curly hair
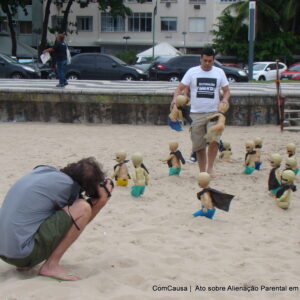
[88, 173]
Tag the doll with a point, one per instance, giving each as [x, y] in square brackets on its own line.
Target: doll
[275, 174]
[121, 174]
[249, 158]
[210, 198]
[291, 151]
[175, 117]
[291, 164]
[258, 146]
[283, 195]
[174, 159]
[226, 153]
[216, 129]
[140, 175]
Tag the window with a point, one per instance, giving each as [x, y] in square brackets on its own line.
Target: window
[25, 27]
[168, 24]
[112, 24]
[197, 24]
[197, 1]
[228, 0]
[140, 22]
[3, 25]
[85, 60]
[84, 23]
[56, 21]
[136, 1]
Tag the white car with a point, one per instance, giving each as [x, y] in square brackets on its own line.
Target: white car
[267, 70]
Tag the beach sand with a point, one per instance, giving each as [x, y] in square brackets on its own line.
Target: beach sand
[140, 249]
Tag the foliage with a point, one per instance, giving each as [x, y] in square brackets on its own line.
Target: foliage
[129, 56]
[277, 30]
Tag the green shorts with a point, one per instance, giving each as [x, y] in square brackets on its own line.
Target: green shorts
[199, 129]
[174, 171]
[48, 236]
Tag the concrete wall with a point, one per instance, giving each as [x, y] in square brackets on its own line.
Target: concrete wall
[112, 108]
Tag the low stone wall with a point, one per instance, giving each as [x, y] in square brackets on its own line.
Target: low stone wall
[121, 108]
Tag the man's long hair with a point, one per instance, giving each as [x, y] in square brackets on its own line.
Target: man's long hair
[88, 173]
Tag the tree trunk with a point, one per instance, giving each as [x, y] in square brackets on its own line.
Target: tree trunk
[45, 27]
[64, 24]
[13, 36]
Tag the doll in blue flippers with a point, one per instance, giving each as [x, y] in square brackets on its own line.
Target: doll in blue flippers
[210, 198]
[176, 118]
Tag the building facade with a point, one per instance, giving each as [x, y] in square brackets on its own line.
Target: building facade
[184, 24]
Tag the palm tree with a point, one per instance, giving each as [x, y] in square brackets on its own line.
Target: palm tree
[290, 13]
[267, 16]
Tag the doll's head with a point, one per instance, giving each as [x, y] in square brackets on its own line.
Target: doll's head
[291, 149]
[226, 145]
[173, 146]
[290, 163]
[137, 159]
[120, 156]
[275, 160]
[203, 179]
[249, 146]
[258, 142]
[287, 177]
[181, 100]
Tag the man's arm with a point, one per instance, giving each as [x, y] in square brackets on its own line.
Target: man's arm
[224, 103]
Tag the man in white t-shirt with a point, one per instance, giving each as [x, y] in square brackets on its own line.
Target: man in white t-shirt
[205, 82]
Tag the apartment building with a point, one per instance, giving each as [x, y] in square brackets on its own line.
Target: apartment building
[185, 24]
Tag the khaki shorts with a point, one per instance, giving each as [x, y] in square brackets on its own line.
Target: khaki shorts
[48, 236]
[199, 129]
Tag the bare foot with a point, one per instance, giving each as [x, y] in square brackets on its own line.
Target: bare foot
[56, 272]
[212, 173]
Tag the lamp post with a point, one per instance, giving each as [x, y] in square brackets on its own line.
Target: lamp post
[251, 37]
[184, 48]
[126, 37]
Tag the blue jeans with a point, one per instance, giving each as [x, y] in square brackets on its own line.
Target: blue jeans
[60, 67]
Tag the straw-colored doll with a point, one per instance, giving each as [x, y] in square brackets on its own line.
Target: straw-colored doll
[120, 173]
[258, 150]
[283, 195]
[226, 153]
[274, 181]
[175, 117]
[140, 176]
[249, 158]
[174, 160]
[291, 151]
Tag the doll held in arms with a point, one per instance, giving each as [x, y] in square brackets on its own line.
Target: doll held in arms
[258, 147]
[139, 176]
[210, 198]
[219, 118]
[249, 158]
[226, 153]
[283, 195]
[291, 151]
[178, 112]
[174, 160]
[121, 174]
[274, 181]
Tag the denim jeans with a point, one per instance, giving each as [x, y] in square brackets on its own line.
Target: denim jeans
[60, 67]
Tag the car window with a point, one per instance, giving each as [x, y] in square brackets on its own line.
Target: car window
[258, 67]
[85, 60]
[272, 67]
[104, 61]
[191, 61]
[281, 66]
[294, 68]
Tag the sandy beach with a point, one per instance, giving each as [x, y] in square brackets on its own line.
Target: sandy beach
[152, 247]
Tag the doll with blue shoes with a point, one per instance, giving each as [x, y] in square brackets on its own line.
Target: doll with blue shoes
[210, 198]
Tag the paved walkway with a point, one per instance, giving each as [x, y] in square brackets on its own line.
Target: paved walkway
[137, 87]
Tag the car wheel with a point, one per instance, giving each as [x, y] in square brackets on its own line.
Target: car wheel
[17, 75]
[128, 77]
[231, 78]
[262, 78]
[72, 76]
[174, 78]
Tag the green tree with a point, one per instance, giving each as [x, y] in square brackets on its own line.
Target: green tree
[10, 8]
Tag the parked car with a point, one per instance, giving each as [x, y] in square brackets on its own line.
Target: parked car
[175, 68]
[46, 71]
[102, 67]
[292, 73]
[267, 70]
[145, 65]
[11, 68]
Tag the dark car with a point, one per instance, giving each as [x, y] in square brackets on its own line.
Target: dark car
[175, 68]
[102, 67]
[292, 73]
[11, 68]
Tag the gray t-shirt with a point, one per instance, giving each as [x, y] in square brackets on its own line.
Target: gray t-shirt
[31, 200]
